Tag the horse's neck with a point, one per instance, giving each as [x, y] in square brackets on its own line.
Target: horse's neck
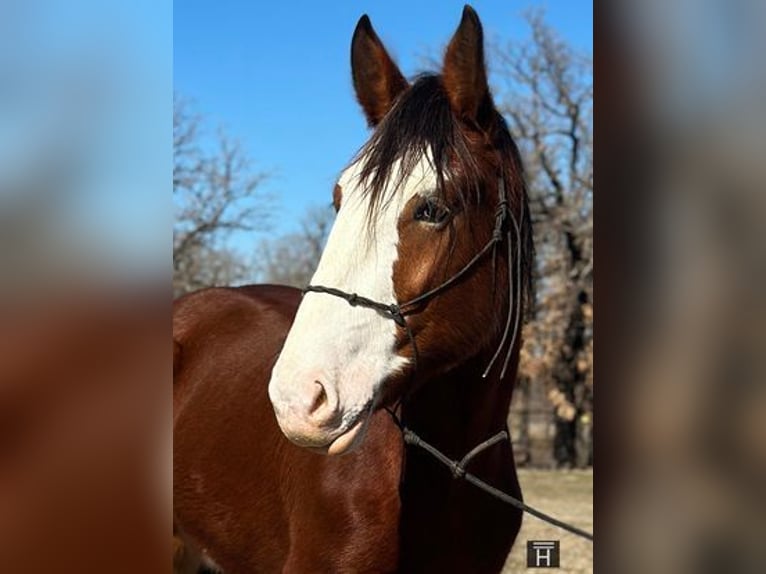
[455, 413]
[460, 409]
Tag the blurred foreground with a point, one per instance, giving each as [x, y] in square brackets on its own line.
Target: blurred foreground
[85, 434]
[682, 316]
[85, 252]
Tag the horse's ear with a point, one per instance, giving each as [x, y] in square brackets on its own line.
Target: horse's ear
[377, 79]
[465, 75]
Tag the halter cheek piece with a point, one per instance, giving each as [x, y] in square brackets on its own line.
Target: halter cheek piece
[399, 311]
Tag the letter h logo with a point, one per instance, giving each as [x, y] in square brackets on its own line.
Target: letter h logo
[542, 554]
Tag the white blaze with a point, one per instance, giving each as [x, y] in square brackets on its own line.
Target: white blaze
[349, 349]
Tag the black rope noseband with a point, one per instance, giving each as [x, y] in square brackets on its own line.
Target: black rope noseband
[392, 310]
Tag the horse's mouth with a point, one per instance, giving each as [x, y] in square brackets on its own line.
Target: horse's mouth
[352, 436]
[348, 439]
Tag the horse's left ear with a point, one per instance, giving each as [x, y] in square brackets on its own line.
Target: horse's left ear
[465, 75]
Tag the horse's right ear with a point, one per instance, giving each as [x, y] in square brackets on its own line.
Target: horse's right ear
[377, 79]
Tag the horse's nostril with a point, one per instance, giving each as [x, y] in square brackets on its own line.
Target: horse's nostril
[323, 405]
[320, 398]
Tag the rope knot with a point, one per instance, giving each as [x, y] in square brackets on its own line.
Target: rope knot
[502, 208]
[396, 314]
[353, 299]
[500, 214]
[410, 437]
[457, 470]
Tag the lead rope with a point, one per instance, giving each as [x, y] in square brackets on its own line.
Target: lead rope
[459, 471]
[398, 312]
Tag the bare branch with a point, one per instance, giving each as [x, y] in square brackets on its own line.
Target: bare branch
[215, 193]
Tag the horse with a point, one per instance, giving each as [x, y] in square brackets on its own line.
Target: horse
[288, 453]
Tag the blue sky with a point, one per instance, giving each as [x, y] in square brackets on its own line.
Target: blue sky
[276, 75]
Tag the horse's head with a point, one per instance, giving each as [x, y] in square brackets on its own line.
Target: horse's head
[414, 208]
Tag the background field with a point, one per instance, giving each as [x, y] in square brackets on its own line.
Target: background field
[567, 495]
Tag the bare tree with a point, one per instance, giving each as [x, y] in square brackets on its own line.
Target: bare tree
[292, 258]
[215, 192]
[547, 96]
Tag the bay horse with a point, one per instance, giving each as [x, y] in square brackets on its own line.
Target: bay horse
[287, 457]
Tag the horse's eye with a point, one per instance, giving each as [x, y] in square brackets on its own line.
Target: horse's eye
[433, 211]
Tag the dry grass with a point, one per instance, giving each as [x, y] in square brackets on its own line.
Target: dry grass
[567, 495]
